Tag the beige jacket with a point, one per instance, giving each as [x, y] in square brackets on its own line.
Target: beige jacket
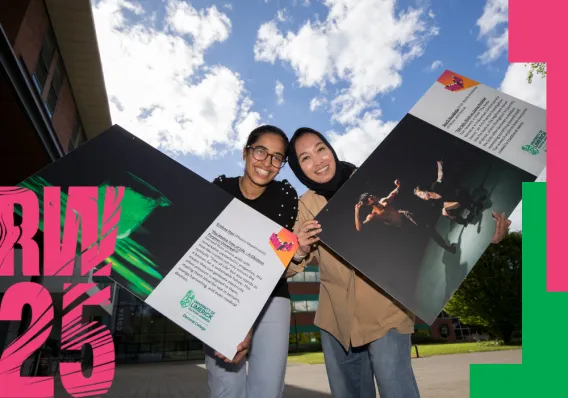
[349, 308]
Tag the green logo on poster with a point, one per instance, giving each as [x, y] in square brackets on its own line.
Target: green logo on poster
[536, 144]
[196, 308]
[187, 300]
[530, 149]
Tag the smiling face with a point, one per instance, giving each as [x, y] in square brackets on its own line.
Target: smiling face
[262, 172]
[316, 159]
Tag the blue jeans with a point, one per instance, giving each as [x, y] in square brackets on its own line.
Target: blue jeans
[351, 373]
[267, 358]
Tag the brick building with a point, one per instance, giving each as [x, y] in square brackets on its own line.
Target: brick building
[52, 88]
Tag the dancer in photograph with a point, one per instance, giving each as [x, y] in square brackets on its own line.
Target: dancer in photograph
[455, 204]
[383, 210]
[438, 196]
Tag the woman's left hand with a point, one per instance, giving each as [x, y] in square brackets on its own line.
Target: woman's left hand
[242, 350]
[501, 227]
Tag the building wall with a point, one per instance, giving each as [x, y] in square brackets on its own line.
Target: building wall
[29, 24]
[297, 288]
[65, 115]
[21, 151]
[31, 33]
[11, 15]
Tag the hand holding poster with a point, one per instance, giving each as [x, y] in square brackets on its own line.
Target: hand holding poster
[418, 213]
[184, 246]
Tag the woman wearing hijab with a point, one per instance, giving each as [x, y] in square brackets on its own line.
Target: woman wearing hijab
[267, 343]
[363, 333]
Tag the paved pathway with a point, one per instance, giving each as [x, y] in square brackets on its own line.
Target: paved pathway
[441, 376]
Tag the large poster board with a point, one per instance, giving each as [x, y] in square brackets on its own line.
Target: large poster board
[187, 248]
[417, 215]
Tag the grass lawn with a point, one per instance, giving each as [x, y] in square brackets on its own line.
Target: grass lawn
[426, 350]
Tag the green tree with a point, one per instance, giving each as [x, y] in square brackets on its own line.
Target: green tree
[538, 68]
[491, 294]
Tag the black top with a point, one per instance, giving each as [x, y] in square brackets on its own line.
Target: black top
[279, 203]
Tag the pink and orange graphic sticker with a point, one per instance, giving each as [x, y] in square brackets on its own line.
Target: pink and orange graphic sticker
[284, 244]
[454, 82]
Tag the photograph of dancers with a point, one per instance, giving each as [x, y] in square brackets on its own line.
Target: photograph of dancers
[456, 204]
[418, 240]
[384, 211]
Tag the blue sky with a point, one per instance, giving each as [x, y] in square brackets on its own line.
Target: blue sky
[194, 77]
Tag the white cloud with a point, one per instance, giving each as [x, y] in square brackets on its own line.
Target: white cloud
[431, 14]
[281, 15]
[362, 45]
[515, 84]
[359, 141]
[307, 51]
[246, 122]
[279, 90]
[317, 102]
[306, 3]
[205, 27]
[436, 65]
[497, 45]
[159, 85]
[228, 6]
[495, 15]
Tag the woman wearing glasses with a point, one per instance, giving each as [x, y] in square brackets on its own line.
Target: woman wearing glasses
[267, 342]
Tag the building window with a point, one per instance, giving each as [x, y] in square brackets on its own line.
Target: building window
[306, 276]
[55, 87]
[444, 331]
[78, 136]
[44, 61]
[141, 334]
[305, 306]
[300, 306]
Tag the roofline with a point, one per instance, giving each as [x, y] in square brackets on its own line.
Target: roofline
[74, 28]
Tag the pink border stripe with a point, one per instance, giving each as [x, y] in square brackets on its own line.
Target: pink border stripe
[535, 35]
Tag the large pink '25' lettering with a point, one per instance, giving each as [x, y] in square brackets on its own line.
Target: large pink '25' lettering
[75, 334]
[11, 383]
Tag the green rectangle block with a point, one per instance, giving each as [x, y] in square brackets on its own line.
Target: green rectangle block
[304, 297]
[304, 329]
[542, 371]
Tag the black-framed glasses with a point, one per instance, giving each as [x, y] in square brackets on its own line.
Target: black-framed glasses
[260, 153]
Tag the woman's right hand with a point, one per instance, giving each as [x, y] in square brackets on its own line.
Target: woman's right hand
[307, 236]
